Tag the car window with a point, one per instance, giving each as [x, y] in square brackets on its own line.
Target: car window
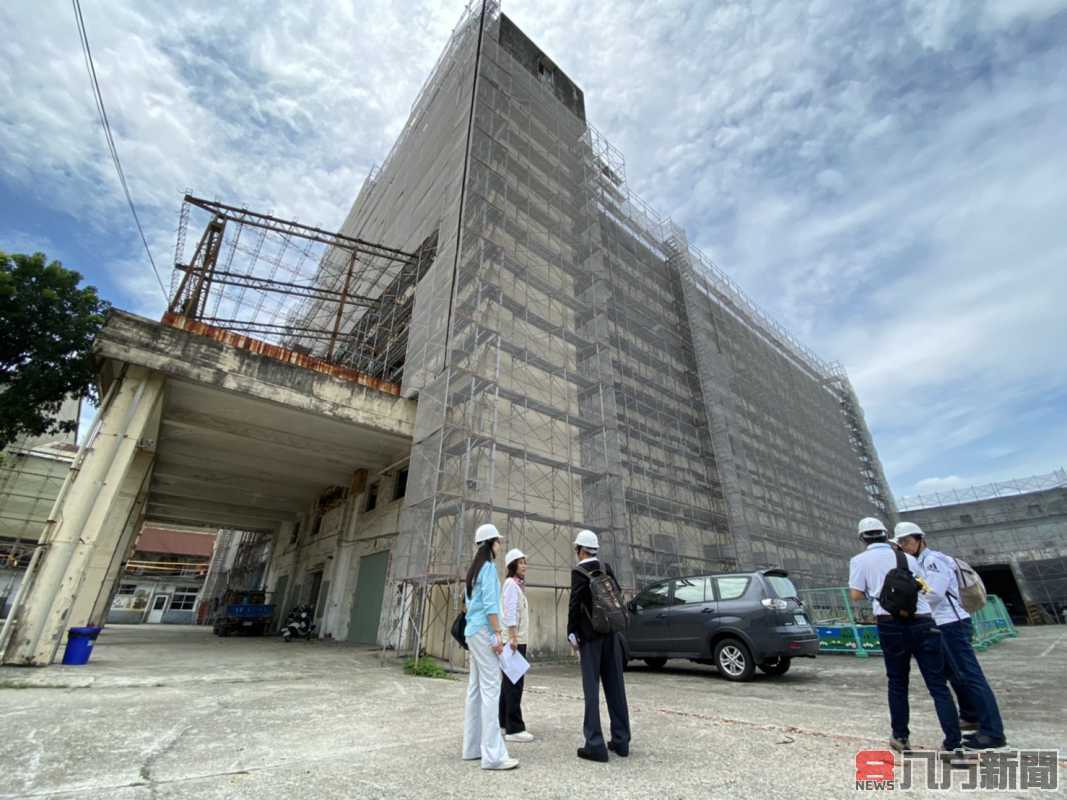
[782, 586]
[654, 596]
[733, 587]
[689, 590]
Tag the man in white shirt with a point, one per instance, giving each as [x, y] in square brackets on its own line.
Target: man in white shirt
[976, 698]
[901, 640]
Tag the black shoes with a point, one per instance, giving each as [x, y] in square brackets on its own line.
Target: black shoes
[979, 741]
[621, 752]
[592, 755]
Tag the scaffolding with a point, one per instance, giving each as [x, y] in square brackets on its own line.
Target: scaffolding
[986, 491]
[579, 364]
[322, 297]
[32, 472]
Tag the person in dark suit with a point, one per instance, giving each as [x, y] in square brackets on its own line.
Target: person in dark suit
[601, 658]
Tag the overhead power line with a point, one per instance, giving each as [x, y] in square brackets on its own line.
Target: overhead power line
[102, 111]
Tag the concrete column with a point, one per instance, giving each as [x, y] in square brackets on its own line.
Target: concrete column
[111, 559]
[1020, 579]
[339, 604]
[128, 425]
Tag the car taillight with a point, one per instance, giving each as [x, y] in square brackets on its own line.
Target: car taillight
[775, 603]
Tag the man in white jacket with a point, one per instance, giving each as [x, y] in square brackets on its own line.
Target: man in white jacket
[976, 698]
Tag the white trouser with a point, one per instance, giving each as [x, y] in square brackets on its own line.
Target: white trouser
[481, 722]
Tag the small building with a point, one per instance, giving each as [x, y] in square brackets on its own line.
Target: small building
[162, 581]
[1014, 533]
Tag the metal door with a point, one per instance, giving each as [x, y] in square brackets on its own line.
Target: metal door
[367, 604]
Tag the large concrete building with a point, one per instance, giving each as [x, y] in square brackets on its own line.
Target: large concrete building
[577, 364]
[529, 344]
[1014, 533]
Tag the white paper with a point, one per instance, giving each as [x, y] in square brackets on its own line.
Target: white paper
[513, 664]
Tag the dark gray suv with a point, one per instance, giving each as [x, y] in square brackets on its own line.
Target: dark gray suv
[736, 622]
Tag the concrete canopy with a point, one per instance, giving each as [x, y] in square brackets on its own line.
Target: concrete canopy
[247, 441]
[233, 461]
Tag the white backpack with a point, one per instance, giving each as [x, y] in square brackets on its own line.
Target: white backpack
[972, 591]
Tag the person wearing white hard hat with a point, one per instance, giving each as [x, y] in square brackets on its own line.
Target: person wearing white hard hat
[904, 634]
[600, 653]
[516, 617]
[979, 712]
[481, 734]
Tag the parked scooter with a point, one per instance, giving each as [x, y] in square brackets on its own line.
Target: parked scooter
[299, 625]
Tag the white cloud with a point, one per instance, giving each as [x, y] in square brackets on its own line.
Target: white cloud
[946, 484]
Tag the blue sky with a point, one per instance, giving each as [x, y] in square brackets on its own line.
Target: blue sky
[885, 178]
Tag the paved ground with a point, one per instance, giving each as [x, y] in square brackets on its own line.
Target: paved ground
[169, 712]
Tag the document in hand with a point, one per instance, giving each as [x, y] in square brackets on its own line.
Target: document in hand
[513, 664]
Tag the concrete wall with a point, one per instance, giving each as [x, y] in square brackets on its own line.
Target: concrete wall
[347, 533]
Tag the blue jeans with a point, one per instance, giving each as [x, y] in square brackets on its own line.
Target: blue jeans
[920, 639]
[977, 701]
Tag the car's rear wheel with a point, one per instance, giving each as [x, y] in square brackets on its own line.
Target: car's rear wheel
[776, 666]
[655, 663]
[733, 660]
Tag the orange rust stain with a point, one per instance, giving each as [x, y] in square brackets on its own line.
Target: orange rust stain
[277, 353]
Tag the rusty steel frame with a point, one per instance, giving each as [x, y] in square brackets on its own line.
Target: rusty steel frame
[353, 316]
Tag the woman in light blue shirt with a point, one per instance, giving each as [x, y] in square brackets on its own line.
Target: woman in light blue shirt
[481, 733]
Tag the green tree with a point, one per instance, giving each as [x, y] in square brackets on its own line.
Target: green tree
[47, 326]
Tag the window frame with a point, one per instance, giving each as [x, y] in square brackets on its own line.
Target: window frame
[674, 589]
[178, 600]
[648, 591]
[718, 594]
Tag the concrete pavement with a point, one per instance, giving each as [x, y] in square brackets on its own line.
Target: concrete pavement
[169, 712]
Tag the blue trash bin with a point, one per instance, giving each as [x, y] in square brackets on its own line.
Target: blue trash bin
[80, 645]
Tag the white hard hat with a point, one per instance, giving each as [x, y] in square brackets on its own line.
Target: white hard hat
[870, 525]
[906, 529]
[514, 554]
[485, 533]
[588, 540]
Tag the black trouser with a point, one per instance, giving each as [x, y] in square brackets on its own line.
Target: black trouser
[511, 701]
[601, 661]
[919, 639]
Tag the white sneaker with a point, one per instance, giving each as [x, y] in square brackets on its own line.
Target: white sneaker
[507, 763]
[521, 736]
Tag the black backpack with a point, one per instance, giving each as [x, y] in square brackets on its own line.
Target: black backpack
[900, 591]
[608, 613]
